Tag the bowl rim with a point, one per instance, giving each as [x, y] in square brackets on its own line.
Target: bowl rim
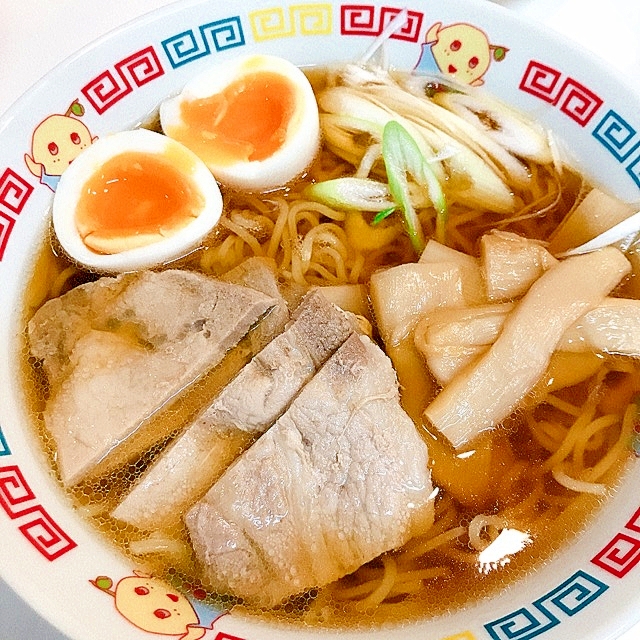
[135, 26]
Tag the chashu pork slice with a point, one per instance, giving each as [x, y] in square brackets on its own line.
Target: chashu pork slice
[119, 350]
[245, 408]
[260, 273]
[340, 478]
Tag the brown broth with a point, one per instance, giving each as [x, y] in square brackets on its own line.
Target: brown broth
[552, 519]
[464, 585]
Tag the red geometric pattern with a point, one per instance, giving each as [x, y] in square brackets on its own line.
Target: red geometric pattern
[14, 492]
[105, 90]
[541, 81]
[6, 227]
[108, 88]
[45, 535]
[14, 194]
[141, 67]
[572, 98]
[37, 526]
[14, 191]
[369, 20]
[634, 523]
[578, 102]
[225, 636]
[620, 556]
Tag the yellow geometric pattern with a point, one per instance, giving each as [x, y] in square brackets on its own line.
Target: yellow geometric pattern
[465, 635]
[299, 19]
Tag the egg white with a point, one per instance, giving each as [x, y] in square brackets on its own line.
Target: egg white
[303, 132]
[170, 248]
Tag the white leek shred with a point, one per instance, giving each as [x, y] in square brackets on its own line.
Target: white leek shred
[627, 231]
[508, 129]
[373, 153]
[394, 25]
[157, 543]
[403, 157]
[449, 156]
[362, 194]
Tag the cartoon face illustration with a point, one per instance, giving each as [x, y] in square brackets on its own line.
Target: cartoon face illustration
[56, 143]
[460, 51]
[155, 606]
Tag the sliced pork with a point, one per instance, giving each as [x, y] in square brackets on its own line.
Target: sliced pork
[261, 274]
[246, 407]
[340, 478]
[119, 350]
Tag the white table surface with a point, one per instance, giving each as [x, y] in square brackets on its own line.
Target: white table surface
[58, 28]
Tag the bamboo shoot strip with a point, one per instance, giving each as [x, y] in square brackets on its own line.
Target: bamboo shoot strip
[451, 339]
[486, 393]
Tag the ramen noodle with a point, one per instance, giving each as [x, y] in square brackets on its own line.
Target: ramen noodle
[527, 485]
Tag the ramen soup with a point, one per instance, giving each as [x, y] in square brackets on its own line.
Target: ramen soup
[431, 225]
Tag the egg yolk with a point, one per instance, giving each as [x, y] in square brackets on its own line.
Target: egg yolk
[247, 121]
[136, 199]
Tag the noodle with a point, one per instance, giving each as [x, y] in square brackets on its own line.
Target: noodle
[614, 453]
[243, 235]
[572, 436]
[307, 240]
[543, 201]
[481, 523]
[59, 283]
[281, 221]
[416, 548]
[548, 434]
[373, 153]
[520, 511]
[385, 586]
[356, 269]
[576, 485]
[556, 445]
[562, 405]
[598, 427]
[259, 224]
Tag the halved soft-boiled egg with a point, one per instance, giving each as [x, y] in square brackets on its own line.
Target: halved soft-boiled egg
[133, 200]
[253, 120]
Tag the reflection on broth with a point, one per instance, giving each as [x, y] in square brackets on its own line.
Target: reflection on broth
[503, 501]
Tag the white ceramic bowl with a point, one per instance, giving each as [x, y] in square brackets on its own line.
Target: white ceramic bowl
[49, 555]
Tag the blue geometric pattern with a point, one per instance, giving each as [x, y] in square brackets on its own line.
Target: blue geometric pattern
[4, 447]
[617, 135]
[633, 169]
[183, 48]
[573, 595]
[225, 34]
[189, 45]
[522, 624]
